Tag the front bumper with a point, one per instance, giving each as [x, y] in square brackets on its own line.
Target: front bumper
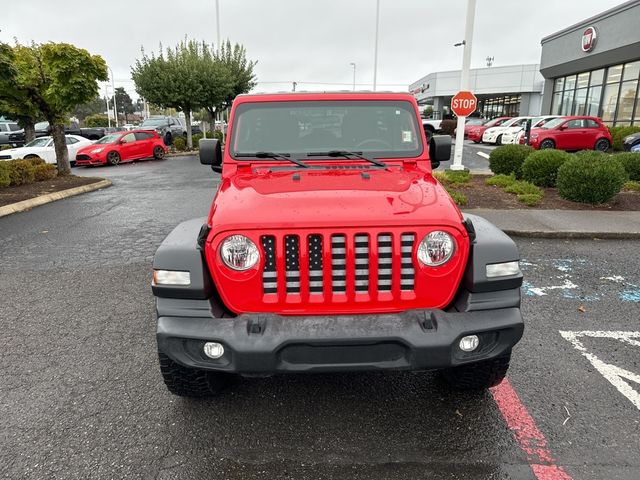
[90, 160]
[263, 344]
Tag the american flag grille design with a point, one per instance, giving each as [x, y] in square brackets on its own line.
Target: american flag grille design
[363, 259]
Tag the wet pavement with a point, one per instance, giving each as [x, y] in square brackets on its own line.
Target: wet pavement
[81, 395]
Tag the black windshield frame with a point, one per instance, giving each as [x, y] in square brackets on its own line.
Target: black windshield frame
[301, 153]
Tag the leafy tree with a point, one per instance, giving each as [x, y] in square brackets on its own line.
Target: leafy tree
[234, 58]
[92, 107]
[14, 103]
[56, 78]
[172, 79]
[124, 103]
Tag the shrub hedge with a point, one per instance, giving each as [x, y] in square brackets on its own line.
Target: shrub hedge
[590, 178]
[631, 163]
[541, 167]
[25, 171]
[618, 134]
[448, 126]
[21, 172]
[45, 172]
[508, 159]
[5, 178]
[180, 144]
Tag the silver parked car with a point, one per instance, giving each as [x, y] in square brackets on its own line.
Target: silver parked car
[6, 129]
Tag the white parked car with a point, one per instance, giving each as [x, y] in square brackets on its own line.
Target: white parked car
[43, 147]
[512, 135]
[494, 134]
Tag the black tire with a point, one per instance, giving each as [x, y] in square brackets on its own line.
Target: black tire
[158, 153]
[477, 141]
[602, 145]
[189, 382]
[548, 143]
[168, 139]
[113, 158]
[499, 140]
[27, 157]
[479, 375]
[429, 134]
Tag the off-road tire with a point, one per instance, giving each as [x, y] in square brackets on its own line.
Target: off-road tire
[190, 382]
[478, 376]
[547, 144]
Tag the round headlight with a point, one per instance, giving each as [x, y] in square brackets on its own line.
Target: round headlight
[436, 249]
[239, 253]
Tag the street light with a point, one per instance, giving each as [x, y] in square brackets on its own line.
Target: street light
[113, 86]
[354, 75]
[218, 21]
[375, 55]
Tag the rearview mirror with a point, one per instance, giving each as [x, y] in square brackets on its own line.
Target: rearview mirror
[211, 153]
[439, 149]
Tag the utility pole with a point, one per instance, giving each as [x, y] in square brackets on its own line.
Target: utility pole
[464, 81]
[354, 75]
[106, 101]
[375, 55]
[115, 105]
[218, 21]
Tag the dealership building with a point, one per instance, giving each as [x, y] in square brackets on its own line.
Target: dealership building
[590, 68]
[593, 67]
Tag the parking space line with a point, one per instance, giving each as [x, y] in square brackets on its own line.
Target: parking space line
[618, 377]
[526, 433]
[483, 155]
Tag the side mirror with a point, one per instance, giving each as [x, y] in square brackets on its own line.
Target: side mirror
[211, 153]
[439, 149]
[562, 127]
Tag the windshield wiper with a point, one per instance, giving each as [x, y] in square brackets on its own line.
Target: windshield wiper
[280, 156]
[347, 154]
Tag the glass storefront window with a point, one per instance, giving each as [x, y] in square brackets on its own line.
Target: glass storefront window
[583, 80]
[580, 101]
[559, 86]
[636, 114]
[626, 100]
[567, 103]
[593, 101]
[631, 71]
[609, 102]
[614, 74]
[556, 103]
[570, 83]
[596, 77]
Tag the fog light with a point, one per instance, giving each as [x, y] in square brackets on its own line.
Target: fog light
[469, 343]
[214, 350]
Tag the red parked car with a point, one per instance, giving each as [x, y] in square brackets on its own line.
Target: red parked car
[474, 132]
[571, 133]
[122, 147]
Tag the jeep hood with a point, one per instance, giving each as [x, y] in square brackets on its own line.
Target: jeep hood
[332, 197]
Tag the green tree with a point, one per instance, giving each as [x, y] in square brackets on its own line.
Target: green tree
[92, 107]
[172, 79]
[56, 78]
[124, 103]
[14, 103]
[97, 120]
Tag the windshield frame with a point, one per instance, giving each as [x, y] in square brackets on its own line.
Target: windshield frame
[556, 122]
[337, 103]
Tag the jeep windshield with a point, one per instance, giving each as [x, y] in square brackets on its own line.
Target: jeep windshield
[384, 129]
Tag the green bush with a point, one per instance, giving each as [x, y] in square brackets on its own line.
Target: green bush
[453, 177]
[523, 188]
[590, 178]
[541, 167]
[618, 134]
[501, 180]
[508, 159]
[631, 163]
[460, 198]
[35, 161]
[530, 199]
[180, 144]
[5, 178]
[96, 120]
[447, 127]
[21, 172]
[633, 186]
[219, 135]
[45, 172]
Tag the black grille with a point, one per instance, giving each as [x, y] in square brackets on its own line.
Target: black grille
[270, 272]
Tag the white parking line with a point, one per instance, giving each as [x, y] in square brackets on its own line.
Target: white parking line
[483, 155]
[618, 377]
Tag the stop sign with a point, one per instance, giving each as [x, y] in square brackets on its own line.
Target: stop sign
[464, 103]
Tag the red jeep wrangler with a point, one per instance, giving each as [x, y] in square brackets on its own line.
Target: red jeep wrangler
[330, 247]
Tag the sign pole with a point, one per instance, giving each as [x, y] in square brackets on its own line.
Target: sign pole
[464, 82]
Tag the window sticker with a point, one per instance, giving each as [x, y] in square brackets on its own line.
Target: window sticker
[407, 136]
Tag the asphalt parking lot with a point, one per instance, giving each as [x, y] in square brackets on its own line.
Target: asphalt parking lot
[475, 157]
[81, 395]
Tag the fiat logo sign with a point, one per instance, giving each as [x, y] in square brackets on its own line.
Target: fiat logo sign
[589, 37]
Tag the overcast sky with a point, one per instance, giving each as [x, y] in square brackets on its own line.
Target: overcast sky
[307, 41]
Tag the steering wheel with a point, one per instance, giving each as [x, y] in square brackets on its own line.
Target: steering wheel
[374, 141]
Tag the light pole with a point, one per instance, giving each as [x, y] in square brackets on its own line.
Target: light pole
[115, 105]
[464, 81]
[375, 54]
[218, 21]
[106, 101]
[354, 75]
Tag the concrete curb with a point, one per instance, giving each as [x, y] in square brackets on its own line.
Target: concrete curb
[52, 197]
[181, 154]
